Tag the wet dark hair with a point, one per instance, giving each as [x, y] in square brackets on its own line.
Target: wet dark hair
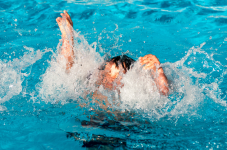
[123, 59]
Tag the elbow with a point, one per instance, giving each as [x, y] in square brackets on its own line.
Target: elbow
[164, 90]
[163, 86]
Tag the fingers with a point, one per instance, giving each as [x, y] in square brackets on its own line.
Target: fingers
[148, 67]
[63, 15]
[150, 62]
[142, 59]
[68, 18]
[151, 66]
[58, 20]
[148, 56]
[145, 61]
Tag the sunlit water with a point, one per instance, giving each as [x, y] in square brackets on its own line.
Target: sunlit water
[40, 102]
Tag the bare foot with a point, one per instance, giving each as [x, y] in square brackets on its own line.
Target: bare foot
[65, 24]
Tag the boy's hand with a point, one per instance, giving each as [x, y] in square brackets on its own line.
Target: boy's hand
[66, 19]
[150, 61]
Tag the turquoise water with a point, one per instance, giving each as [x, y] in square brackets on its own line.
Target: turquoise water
[40, 108]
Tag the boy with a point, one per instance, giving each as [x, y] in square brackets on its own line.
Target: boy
[110, 76]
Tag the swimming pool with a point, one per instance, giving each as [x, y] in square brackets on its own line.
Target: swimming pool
[39, 110]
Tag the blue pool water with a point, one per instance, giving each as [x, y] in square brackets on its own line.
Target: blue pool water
[40, 103]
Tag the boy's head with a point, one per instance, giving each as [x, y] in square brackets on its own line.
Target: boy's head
[117, 63]
[124, 61]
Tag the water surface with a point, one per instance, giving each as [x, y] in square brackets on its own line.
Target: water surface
[38, 103]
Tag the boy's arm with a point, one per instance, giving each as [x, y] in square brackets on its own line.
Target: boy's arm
[66, 26]
[151, 62]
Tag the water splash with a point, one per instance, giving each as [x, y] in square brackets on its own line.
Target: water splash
[59, 85]
[189, 87]
[10, 83]
[12, 75]
[190, 84]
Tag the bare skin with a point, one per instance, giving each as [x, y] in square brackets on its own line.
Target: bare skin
[66, 26]
[109, 77]
[151, 62]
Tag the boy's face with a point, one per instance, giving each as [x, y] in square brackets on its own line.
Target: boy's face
[110, 73]
[112, 70]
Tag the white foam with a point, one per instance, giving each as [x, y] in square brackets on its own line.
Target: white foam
[187, 89]
[140, 93]
[12, 76]
[59, 85]
[10, 82]
[188, 86]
